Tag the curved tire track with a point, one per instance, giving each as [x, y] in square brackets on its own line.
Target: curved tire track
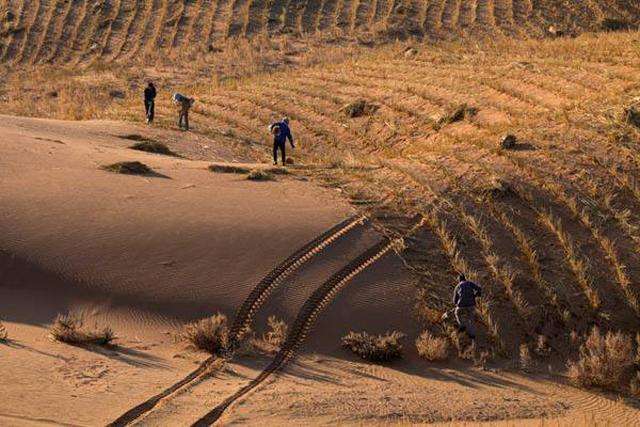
[245, 314]
[303, 323]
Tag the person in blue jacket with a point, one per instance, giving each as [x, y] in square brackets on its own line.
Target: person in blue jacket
[281, 132]
[464, 300]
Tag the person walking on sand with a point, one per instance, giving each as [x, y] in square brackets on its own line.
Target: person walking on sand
[185, 103]
[149, 102]
[464, 300]
[281, 132]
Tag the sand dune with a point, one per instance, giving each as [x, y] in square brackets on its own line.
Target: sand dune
[139, 253]
[146, 254]
[182, 245]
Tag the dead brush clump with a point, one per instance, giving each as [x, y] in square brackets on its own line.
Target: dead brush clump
[71, 329]
[153, 147]
[614, 24]
[432, 347]
[210, 335]
[277, 171]
[4, 335]
[603, 360]
[632, 114]
[634, 385]
[228, 169]
[129, 168]
[454, 114]
[374, 348]
[271, 341]
[358, 108]
[525, 359]
[260, 175]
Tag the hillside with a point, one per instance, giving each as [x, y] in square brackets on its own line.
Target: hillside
[548, 227]
[400, 180]
[80, 31]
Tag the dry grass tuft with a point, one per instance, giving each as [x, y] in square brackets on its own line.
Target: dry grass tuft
[454, 114]
[374, 348]
[526, 361]
[358, 108]
[632, 115]
[129, 168]
[210, 335]
[603, 360]
[508, 142]
[260, 175]
[153, 147]
[70, 329]
[272, 340]
[613, 24]
[634, 385]
[277, 171]
[228, 169]
[498, 188]
[4, 335]
[432, 348]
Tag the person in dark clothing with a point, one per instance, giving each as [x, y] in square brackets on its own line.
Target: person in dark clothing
[149, 101]
[281, 132]
[464, 300]
[185, 103]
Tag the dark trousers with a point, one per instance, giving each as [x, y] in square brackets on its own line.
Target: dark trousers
[282, 147]
[183, 119]
[465, 319]
[149, 108]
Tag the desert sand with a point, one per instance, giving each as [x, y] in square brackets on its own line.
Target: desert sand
[146, 254]
[498, 138]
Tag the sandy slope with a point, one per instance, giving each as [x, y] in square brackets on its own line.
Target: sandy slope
[146, 254]
[140, 253]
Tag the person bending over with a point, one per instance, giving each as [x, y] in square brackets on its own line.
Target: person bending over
[464, 300]
[281, 132]
[185, 103]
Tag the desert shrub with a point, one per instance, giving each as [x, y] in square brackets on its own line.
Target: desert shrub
[4, 335]
[613, 24]
[259, 175]
[634, 385]
[525, 360]
[358, 108]
[71, 329]
[632, 115]
[129, 168]
[277, 333]
[432, 348]
[153, 147]
[508, 142]
[210, 335]
[228, 169]
[542, 347]
[272, 340]
[375, 348]
[602, 361]
[454, 114]
[277, 171]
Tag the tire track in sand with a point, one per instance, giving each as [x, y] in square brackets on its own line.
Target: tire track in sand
[246, 313]
[305, 319]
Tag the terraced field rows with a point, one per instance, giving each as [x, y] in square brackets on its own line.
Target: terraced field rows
[552, 221]
[41, 30]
